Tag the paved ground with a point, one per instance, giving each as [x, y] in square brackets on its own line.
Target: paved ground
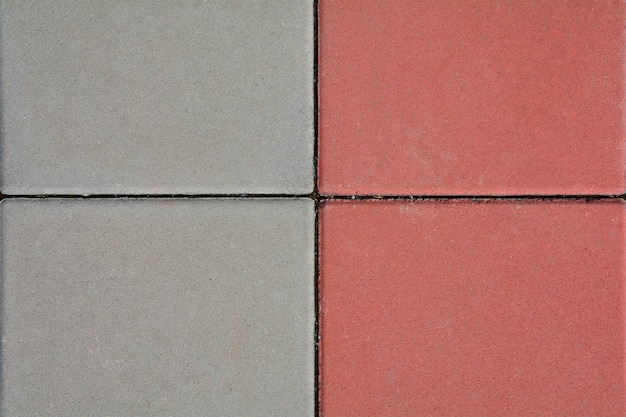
[299, 208]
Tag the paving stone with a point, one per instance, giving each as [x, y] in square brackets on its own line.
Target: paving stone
[471, 97]
[183, 96]
[472, 309]
[157, 307]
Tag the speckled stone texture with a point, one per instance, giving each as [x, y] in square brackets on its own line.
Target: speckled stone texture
[156, 97]
[470, 308]
[485, 97]
[157, 308]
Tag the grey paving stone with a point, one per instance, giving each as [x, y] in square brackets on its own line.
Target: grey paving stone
[171, 96]
[157, 307]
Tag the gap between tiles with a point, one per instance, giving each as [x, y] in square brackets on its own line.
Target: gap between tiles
[316, 198]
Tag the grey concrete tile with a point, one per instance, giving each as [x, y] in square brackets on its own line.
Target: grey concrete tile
[157, 307]
[172, 96]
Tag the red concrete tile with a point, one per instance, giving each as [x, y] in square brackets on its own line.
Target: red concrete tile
[472, 309]
[471, 97]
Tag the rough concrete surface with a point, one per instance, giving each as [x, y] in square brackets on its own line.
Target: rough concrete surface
[144, 97]
[157, 307]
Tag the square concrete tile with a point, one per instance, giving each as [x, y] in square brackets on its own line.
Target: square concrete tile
[455, 97]
[174, 96]
[157, 308]
[472, 309]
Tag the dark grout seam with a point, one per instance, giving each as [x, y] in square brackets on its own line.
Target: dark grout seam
[318, 198]
[546, 197]
[316, 309]
[162, 196]
[318, 201]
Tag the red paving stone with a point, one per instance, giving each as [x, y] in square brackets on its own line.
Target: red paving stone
[472, 308]
[471, 97]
